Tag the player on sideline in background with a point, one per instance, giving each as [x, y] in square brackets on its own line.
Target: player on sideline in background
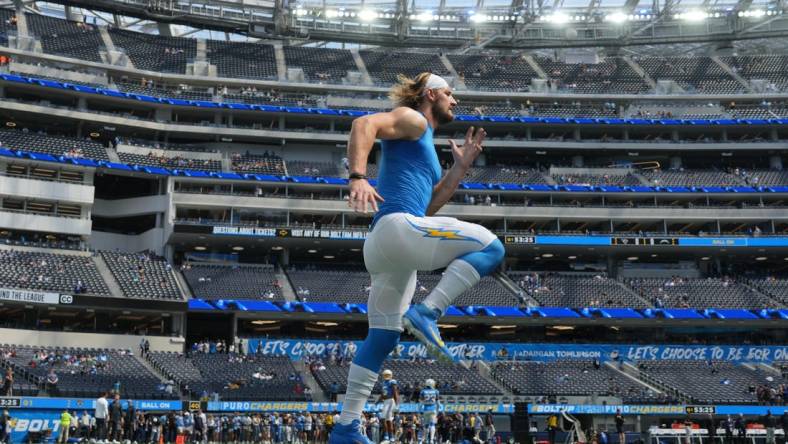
[390, 397]
[405, 237]
[430, 404]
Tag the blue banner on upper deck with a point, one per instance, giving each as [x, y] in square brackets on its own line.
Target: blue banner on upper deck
[491, 351]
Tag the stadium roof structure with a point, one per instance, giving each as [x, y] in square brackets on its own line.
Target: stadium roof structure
[466, 25]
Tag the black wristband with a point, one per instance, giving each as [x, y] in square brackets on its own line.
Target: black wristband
[353, 176]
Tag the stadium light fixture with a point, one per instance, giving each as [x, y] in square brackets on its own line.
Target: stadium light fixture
[617, 17]
[311, 251]
[426, 16]
[547, 255]
[761, 258]
[329, 256]
[238, 248]
[694, 15]
[558, 18]
[332, 13]
[200, 248]
[367, 15]
[632, 258]
[705, 258]
[479, 18]
[572, 257]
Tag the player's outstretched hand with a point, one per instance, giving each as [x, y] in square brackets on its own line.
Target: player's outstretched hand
[363, 196]
[465, 155]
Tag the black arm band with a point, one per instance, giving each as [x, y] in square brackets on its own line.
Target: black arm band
[353, 176]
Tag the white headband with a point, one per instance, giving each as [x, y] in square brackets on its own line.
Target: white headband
[435, 82]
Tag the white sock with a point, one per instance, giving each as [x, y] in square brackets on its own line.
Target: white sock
[457, 279]
[360, 382]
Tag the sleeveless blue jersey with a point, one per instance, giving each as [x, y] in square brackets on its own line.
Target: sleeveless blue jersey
[408, 171]
[388, 388]
[428, 399]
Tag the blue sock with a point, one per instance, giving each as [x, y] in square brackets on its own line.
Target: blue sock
[364, 371]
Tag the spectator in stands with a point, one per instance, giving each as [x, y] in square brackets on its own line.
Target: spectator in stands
[51, 382]
[8, 383]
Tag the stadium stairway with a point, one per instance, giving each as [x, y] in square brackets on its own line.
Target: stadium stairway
[287, 287]
[633, 372]
[732, 73]
[642, 179]
[764, 295]
[640, 71]
[510, 285]
[146, 363]
[281, 65]
[768, 368]
[623, 372]
[632, 292]
[485, 372]
[227, 161]
[318, 395]
[183, 286]
[362, 67]
[535, 66]
[109, 279]
[112, 153]
[458, 82]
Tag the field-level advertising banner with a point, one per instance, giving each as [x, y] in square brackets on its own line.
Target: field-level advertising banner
[290, 406]
[669, 410]
[490, 351]
[24, 422]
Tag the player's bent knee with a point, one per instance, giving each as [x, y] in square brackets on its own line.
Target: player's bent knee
[486, 260]
[373, 351]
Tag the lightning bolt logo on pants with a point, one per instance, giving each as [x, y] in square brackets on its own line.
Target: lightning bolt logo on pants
[437, 233]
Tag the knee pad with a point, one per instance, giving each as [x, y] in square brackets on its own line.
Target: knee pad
[486, 260]
[375, 348]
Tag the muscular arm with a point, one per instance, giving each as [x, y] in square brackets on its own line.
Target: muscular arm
[445, 189]
[463, 159]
